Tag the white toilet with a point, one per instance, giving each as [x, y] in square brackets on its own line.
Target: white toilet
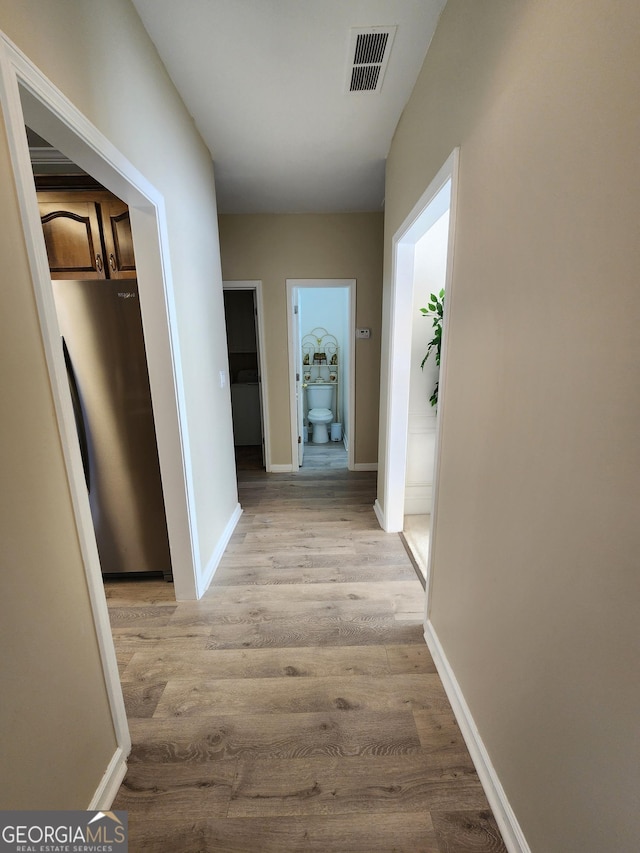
[319, 409]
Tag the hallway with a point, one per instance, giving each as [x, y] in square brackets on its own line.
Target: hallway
[296, 706]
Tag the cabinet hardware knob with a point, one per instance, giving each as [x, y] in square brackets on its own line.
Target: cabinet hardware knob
[99, 263]
[112, 262]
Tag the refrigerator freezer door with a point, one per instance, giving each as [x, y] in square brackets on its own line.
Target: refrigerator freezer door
[102, 329]
[78, 414]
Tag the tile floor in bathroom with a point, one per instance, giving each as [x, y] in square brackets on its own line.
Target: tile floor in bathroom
[332, 454]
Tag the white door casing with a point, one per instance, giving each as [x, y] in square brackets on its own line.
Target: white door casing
[389, 505]
[297, 378]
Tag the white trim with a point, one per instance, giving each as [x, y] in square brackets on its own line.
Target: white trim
[108, 788]
[426, 211]
[418, 484]
[377, 508]
[510, 829]
[454, 162]
[292, 284]
[395, 450]
[256, 285]
[214, 562]
[350, 435]
[418, 499]
[365, 466]
[293, 402]
[282, 469]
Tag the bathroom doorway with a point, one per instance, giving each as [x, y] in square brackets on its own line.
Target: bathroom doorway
[245, 347]
[321, 333]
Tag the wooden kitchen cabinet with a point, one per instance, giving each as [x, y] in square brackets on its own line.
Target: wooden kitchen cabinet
[72, 237]
[87, 235]
[116, 227]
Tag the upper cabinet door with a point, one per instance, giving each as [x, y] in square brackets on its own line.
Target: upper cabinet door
[117, 238]
[87, 234]
[72, 237]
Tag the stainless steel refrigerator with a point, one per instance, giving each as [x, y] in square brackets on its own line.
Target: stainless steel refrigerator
[103, 344]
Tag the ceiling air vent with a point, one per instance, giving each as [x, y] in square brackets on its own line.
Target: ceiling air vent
[368, 57]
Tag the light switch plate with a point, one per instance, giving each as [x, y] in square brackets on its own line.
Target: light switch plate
[363, 333]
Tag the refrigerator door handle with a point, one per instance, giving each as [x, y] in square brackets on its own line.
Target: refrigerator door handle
[78, 415]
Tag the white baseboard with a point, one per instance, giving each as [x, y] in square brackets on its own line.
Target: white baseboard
[418, 498]
[379, 514]
[512, 834]
[382, 519]
[110, 783]
[281, 469]
[214, 562]
[365, 466]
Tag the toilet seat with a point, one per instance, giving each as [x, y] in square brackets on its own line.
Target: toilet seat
[320, 415]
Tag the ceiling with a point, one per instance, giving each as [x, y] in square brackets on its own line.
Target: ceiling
[267, 83]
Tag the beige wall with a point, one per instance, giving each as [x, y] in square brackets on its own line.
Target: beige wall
[535, 577]
[54, 714]
[56, 726]
[273, 248]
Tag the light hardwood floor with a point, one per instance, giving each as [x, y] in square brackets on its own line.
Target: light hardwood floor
[296, 706]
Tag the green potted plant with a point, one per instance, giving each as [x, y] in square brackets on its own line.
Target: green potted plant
[435, 310]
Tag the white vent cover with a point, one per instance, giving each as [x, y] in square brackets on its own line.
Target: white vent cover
[369, 51]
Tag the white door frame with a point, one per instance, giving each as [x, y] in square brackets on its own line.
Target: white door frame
[28, 97]
[256, 287]
[298, 373]
[390, 510]
[294, 284]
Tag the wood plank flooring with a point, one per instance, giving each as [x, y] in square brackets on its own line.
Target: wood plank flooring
[296, 706]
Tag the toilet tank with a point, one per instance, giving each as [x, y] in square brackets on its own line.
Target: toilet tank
[320, 396]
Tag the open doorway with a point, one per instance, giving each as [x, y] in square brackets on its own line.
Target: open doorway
[411, 450]
[321, 325]
[430, 264]
[87, 233]
[245, 346]
[69, 133]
